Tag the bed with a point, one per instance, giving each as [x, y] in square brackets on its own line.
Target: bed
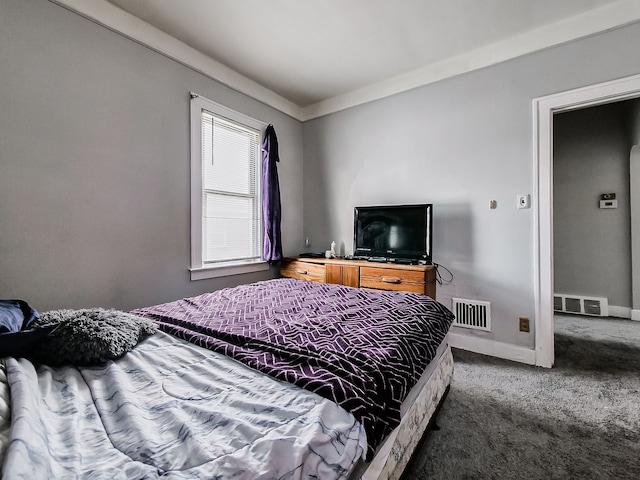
[277, 379]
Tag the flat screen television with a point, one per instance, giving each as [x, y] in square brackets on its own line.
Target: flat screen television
[394, 233]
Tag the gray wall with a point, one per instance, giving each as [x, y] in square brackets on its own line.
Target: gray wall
[94, 164]
[94, 158]
[592, 246]
[458, 143]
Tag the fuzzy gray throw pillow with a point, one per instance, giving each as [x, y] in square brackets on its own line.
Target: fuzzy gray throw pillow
[89, 336]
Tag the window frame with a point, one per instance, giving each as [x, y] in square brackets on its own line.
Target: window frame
[199, 270]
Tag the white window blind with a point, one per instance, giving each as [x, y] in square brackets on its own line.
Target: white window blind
[231, 206]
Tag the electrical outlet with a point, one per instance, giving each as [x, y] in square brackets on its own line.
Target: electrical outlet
[524, 324]
[524, 201]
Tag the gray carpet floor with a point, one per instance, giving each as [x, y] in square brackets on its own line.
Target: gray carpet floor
[578, 420]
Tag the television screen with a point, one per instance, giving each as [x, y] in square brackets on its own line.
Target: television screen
[393, 232]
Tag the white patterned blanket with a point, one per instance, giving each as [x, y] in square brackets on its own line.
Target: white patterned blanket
[172, 410]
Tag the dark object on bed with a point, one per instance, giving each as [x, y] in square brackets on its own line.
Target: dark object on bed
[88, 336]
[17, 335]
[362, 349]
[63, 337]
[16, 315]
[23, 342]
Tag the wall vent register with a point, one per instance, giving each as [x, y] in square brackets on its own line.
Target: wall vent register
[472, 314]
[581, 305]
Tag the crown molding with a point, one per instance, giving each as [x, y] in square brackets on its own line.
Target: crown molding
[114, 18]
[595, 21]
[608, 17]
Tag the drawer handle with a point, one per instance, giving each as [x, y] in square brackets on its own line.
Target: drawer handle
[301, 272]
[391, 279]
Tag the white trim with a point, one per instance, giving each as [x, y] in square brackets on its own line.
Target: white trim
[225, 270]
[226, 112]
[620, 312]
[607, 17]
[635, 315]
[195, 119]
[543, 110]
[493, 348]
[130, 26]
[594, 21]
[199, 270]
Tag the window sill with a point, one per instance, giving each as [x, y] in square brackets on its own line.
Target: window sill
[203, 273]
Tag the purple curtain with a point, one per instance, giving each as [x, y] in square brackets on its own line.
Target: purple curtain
[271, 208]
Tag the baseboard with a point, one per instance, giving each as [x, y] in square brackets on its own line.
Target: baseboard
[493, 348]
[624, 312]
[620, 312]
[514, 352]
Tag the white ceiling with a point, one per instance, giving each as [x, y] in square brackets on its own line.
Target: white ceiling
[311, 57]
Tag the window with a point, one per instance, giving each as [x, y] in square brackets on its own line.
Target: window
[226, 210]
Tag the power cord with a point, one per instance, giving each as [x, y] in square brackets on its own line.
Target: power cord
[439, 278]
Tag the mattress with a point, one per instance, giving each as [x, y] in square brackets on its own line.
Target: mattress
[173, 410]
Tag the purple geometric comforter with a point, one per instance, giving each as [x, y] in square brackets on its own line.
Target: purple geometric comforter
[363, 349]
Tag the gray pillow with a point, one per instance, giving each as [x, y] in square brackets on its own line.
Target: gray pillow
[89, 336]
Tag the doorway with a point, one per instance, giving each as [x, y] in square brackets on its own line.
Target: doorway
[592, 235]
[544, 110]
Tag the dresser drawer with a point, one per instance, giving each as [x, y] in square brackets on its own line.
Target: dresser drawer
[362, 274]
[312, 272]
[392, 279]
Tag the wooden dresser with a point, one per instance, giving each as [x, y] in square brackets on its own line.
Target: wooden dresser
[363, 274]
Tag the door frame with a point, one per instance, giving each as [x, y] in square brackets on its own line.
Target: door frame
[543, 110]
